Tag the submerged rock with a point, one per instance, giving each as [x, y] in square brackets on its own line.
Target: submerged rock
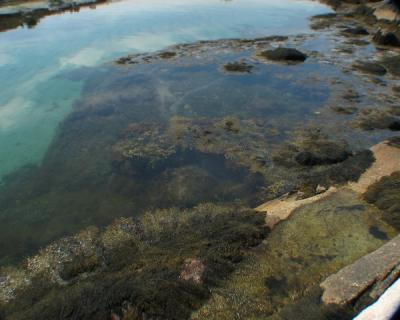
[344, 109]
[392, 64]
[314, 148]
[371, 119]
[370, 67]
[238, 66]
[284, 54]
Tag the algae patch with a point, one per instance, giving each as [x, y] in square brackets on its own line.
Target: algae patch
[133, 265]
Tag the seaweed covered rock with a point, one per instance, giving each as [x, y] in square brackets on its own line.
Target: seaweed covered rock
[159, 266]
[344, 109]
[370, 67]
[357, 30]
[386, 39]
[392, 64]
[371, 119]
[385, 194]
[318, 161]
[313, 148]
[238, 67]
[284, 54]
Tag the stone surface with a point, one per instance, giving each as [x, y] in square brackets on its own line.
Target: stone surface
[350, 282]
[284, 54]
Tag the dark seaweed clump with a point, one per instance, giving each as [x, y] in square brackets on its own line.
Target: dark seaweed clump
[320, 160]
[238, 66]
[372, 119]
[284, 54]
[134, 270]
[385, 194]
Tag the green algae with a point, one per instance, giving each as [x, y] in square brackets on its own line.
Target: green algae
[132, 265]
[299, 253]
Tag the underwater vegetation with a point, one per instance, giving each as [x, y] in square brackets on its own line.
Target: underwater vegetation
[385, 194]
[160, 266]
[244, 142]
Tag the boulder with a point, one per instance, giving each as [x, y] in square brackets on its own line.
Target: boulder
[386, 39]
[284, 54]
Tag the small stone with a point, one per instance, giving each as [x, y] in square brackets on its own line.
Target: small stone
[320, 189]
[193, 270]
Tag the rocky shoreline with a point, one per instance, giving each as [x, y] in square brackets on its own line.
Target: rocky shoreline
[14, 14]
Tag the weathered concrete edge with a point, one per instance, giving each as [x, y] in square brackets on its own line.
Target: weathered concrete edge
[353, 280]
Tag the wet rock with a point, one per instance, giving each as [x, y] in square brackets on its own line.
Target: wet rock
[386, 39]
[323, 21]
[344, 109]
[370, 67]
[358, 30]
[311, 149]
[385, 194]
[193, 270]
[392, 64]
[394, 110]
[352, 96]
[352, 281]
[396, 90]
[239, 66]
[371, 119]
[167, 54]
[322, 152]
[284, 54]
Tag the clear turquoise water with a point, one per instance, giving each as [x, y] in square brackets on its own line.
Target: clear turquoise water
[35, 94]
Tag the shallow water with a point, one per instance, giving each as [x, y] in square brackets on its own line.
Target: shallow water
[35, 95]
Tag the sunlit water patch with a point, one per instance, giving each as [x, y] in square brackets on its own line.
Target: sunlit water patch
[35, 97]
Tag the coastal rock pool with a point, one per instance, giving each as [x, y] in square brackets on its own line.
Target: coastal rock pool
[137, 137]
